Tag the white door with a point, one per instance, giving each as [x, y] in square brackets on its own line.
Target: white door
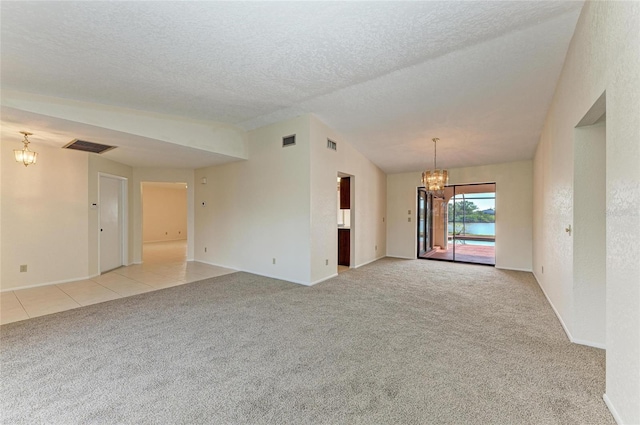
[110, 223]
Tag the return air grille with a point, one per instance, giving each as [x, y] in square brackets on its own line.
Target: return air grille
[332, 145]
[289, 140]
[83, 145]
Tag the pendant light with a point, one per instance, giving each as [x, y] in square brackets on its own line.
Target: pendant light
[25, 155]
[435, 180]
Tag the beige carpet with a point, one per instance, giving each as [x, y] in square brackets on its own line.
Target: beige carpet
[397, 341]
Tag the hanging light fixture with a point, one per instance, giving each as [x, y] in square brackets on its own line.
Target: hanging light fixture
[435, 180]
[25, 155]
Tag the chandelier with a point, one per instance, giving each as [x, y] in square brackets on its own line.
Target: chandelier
[25, 155]
[435, 180]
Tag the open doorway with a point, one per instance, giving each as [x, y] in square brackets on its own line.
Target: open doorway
[164, 222]
[345, 221]
[461, 226]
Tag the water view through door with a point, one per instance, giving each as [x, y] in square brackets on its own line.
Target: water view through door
[462, 224]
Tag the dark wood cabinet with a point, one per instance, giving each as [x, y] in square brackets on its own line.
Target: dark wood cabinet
[345, 193]
[344, 246]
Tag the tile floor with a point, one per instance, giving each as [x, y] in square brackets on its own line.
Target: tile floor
[164, 264]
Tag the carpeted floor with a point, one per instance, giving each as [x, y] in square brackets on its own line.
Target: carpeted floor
[393, 342]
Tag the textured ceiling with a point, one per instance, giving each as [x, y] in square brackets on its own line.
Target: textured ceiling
[131, 149]
[387, 76]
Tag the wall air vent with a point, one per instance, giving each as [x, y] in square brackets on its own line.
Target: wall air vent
[289, 140]
[83, 145]
[332, 145]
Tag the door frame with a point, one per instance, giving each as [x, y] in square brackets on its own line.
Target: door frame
[428, 221]
[122, 212]
[445, 224]
[352, 218]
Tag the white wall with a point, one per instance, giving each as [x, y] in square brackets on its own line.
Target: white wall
[168, 175]
[368, 203]
[44, 216]
[402, 197]
[281, 204]
[604, 55]
[513, 210]
[47, 220]
[259, 209]
[1, 197]
[164, 212]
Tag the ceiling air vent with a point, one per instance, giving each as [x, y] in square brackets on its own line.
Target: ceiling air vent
[289, 140]
[83, 145]
[332, 145]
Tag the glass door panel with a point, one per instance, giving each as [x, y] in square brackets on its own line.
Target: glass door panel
[472, 227]
[465, 224]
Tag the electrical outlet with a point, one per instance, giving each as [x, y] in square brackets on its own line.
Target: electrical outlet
[274, 260]
[409, 219]
[383, 219]
[23, 268]
[166, 233]
[326, 262]
[408, 211]
[376, 247]
[205, 249]
[542, 269]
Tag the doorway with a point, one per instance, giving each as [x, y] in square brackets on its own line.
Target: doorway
[345, 222]
[460, 226]
[112, 207]
[164, 222]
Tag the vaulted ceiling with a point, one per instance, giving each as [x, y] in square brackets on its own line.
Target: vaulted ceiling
[387, 76]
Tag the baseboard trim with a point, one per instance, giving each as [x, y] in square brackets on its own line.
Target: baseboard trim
[553, 307]
[297, 282]
[369, 262]
[612, 409]
[214, 264]
[323, 279]
[57, 282]
[589, 343]
[516, 269]
[564, 326]
[402, 258]
[165, 240]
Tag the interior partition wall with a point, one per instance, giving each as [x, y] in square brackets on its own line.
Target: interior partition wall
[460, 226]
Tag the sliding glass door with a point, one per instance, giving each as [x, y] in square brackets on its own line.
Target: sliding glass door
[471, 223]
[462, 224]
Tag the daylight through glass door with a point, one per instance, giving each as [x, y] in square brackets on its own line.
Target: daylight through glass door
[462, 225]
